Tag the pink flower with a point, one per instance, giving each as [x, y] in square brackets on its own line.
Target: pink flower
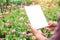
[8, 24]
[0, 16]
[24, 33]
[21, 8]
[13, 31]
[9, 6]
[0, 38]
[6, 12]
[27, 23]
[13, 5]
[21, 19]
[30, 34]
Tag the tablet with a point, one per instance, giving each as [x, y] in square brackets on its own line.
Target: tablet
[36, 16]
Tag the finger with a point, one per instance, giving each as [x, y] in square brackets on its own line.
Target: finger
[50, 22]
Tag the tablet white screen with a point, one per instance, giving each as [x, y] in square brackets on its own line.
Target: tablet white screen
[36, 16]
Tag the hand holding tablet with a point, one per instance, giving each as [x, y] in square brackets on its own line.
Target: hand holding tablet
[36, 16]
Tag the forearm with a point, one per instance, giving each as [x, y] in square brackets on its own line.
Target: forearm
[37, 34]
[40, 37]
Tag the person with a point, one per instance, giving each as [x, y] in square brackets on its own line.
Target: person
[53, 26]
[39, 35]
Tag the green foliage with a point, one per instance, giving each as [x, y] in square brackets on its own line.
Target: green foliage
[13, 21]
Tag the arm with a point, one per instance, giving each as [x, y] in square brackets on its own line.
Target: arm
[37, 34]
[56, 35]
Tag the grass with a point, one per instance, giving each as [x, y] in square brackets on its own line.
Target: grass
[14, 22]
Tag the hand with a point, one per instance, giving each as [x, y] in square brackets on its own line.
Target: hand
[37, 34]
[52, 25]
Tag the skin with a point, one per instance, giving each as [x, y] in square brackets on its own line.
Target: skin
[56, 35]
[38, 33]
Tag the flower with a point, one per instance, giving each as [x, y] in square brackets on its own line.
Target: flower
[0, 16]
[21, 8]
[0, 38]
[13, 31]
[13, 5]
[24, 33]
[7, 24]
[30, 34]
[27, 23]
[21, 19]
[6, 12]
[9, 6]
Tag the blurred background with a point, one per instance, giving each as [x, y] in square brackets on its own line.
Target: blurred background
[14, 23]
